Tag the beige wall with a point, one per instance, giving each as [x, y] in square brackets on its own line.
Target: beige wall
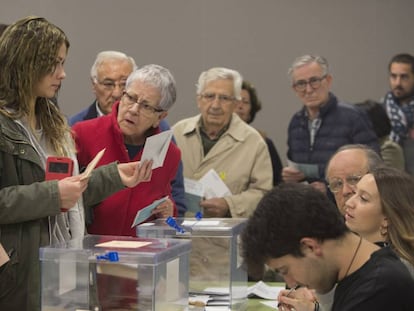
[260, 38]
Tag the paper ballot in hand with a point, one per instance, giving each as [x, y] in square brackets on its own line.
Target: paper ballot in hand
[214, 186]
[156, 148]
[88, 171]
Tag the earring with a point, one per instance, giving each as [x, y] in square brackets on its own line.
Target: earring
[383, 230]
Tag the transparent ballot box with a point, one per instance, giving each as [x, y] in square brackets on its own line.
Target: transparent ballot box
[100, 273]
[215, 261]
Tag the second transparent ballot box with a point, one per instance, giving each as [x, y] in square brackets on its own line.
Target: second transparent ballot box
[100, 273]
[215, 261]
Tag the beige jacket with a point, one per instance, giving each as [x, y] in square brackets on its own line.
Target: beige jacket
[240, 157]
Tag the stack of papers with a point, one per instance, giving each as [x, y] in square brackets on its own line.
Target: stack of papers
[215, 298]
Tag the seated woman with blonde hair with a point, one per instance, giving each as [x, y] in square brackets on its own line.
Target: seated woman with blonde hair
[382, 212]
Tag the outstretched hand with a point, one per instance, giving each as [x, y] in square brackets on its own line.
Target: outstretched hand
[132, 173]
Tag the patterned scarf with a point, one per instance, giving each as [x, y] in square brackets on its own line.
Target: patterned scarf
[401, 117]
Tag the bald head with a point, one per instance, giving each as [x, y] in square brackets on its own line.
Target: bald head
[346, 167]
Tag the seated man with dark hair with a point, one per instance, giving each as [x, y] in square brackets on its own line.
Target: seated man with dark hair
[297, 231]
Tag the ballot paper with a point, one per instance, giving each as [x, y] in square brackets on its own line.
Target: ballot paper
[146, 212]
[194, 194]
[4, 257]
[156, 148]
[214, 186]
[88, 171]
[309, 170]
[262, 290]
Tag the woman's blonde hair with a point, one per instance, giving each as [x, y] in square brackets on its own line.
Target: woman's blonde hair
[28, 52]
[396, 190]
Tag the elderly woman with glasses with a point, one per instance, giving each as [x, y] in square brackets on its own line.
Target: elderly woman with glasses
[149, 92]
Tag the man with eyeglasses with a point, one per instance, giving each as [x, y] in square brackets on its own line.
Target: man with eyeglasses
[323, 124]
[109, 73]
[218, 139]
[399, 104]
[346, 167]
[108, 76]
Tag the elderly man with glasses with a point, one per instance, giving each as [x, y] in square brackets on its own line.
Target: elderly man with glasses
[109, 73]
[322, 125]
[218, 139]
[346, 167]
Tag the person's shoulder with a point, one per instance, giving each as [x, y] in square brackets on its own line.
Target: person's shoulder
[389, 263]
[185, 125]
[164, 126]
[80, 116]
[242, 131]
[91, 124]
[345, 107]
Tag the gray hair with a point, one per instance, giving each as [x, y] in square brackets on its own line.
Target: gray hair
[160, 78]
[110, 55]
[308, 59]
[373, 158]
[220, 73]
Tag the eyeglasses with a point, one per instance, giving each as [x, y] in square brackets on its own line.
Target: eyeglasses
[146, 109]
[336, 184]
[110, 85]
[314, 82]
[211, 97]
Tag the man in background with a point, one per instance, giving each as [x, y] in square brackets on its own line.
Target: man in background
[399, 104]
[218, 139]
[346, 167]
[108, 76]
[322, 125]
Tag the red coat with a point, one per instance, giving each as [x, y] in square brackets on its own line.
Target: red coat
[115, 215]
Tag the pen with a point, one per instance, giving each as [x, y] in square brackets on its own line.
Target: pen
[289, 292]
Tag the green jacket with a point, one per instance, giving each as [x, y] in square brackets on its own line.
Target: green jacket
[26, 204]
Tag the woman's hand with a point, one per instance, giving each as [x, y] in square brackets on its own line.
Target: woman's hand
[70, 190]
[132, 173]
[164, 210]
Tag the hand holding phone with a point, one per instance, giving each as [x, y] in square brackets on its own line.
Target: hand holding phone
[58, 168]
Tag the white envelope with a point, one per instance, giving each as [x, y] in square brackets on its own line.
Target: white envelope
[156, 148]
[214, 186]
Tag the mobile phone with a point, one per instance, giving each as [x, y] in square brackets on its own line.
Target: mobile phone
[58, 168]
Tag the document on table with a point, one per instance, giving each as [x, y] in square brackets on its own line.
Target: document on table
[146, 212]
[309, 170]
[156, 148]
[262, 290]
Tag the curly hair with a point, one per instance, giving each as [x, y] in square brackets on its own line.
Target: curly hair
[285, 215]
[28, 52]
